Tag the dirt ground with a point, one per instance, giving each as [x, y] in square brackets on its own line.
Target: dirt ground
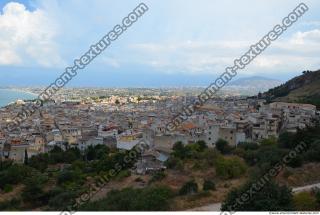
[14, 193]
[304, 175]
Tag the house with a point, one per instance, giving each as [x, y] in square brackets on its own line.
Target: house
[84, 143]
[37, 146]
[228, 133]
[128, 139]
[15, 150]
[148, 163]
[212, 134]
[165, 143]
[108, 131]
[61, 144]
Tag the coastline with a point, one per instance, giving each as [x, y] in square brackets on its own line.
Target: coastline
[10, 95]
[20, 90]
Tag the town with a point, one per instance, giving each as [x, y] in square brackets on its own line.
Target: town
[123, 122]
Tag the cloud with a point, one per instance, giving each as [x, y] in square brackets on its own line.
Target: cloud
[27, 38]
[110, 61]
[295, 52]
[308, 37]
[188, 56]
[199, 39]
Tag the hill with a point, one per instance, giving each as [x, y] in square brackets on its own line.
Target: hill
[255, 81]
[301, 89]
[252, 85]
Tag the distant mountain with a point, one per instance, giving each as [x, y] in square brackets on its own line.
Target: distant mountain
[301, 89]
[252, 85]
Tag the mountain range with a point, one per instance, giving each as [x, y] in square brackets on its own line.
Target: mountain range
[252, 85]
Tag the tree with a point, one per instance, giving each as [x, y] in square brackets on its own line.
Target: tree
[26, 159]
[174, 163]
[269, 197]
[286, 140]
[10, 205]
[313, 153]
[268, 155]
[71, 155]
[69, 176]
[271, 141]
[179, 150]
[248, 146]
[60, 199]
[158, 176]
[155, 198]
[14, 174]
[202, 145]
[56, 155]
[229, 168]
[190, 187]
[317, 195]
[223, 146]
[39, 162]
[295, 161]
[33, 192]
[96, 152]
[5, 164]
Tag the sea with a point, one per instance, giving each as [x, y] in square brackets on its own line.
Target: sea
[10, 95]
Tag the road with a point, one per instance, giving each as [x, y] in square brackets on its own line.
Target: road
[305, 188]
[211, 207]
[217, 206]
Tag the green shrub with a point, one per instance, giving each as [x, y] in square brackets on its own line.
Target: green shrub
[223, 146]
[69, 176]
[123, 174]
[158, 176]
[60, 199]
[304, 202]
[174, 163]
[271, 197]
[130, 199]
[10, 205]
[208, 185]
[14, 174]
[229, 168]
[7, 188]
[190, 187]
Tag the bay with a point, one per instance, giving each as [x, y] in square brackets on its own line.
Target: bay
[10, 95]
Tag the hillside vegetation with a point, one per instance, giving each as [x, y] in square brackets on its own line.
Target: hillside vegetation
[301, 89]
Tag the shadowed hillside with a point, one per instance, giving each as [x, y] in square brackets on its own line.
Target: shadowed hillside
[301, 89]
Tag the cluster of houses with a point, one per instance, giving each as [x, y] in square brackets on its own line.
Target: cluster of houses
[80, 125]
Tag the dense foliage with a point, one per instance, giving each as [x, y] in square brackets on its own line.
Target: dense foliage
[271, 197]
[130, 199]
[55, 179]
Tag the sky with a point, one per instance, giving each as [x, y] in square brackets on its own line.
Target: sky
[175, 43]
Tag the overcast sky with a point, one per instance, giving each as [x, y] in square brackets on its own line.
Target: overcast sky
[175, 43]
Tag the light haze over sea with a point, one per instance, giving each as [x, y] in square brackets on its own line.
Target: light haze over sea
[8, 95]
